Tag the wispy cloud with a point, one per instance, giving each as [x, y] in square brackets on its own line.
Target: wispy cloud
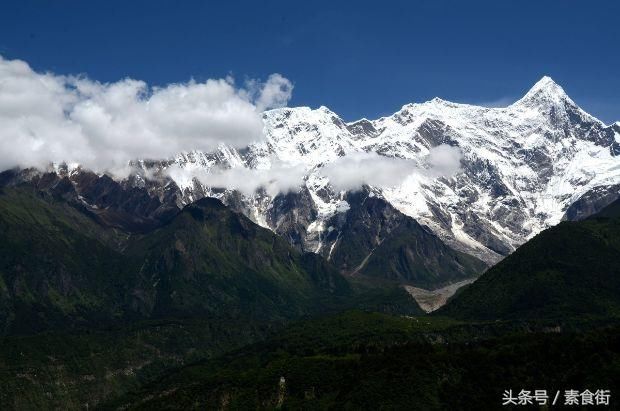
[498, 103]
[348, 173]
[279, 178]
[353, 171]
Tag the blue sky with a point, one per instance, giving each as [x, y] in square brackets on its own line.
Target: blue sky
[361, 59]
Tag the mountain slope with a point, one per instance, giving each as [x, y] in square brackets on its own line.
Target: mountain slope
[524, 168]
[369, 223]
[566, 271]
[59, 267]
[90, 309]
[55, 264]
[210, 260]
[377, 240]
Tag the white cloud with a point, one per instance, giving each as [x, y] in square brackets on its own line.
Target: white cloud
[498, 103]
[346, 173]
[280, 178]
[276, 92]
[353, 171]
[443, 161]
[50, 118]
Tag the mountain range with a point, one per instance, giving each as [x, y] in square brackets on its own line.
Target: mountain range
[523, 168]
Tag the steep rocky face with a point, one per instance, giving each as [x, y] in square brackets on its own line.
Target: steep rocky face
[592, 202]
[361, 229]
[290, 215]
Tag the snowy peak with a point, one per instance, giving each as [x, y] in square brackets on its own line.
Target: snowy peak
[305, 136]
[544, 93]
[546, 83]
[546, 87]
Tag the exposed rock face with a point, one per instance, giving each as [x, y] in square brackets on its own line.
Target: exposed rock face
[291, 214]
[122, 204]
[592, 202]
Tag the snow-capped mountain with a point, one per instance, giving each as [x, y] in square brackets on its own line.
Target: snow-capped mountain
[523, 166]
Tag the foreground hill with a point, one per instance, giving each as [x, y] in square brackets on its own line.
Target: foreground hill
[545, 318]
[59, 268]
[569, 270]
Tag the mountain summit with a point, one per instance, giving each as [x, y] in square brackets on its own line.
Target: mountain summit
[545, 91]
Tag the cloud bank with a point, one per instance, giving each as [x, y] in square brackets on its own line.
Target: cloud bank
[353, 171]
[280, 178]
[443, 161]
[102, 126]
[347, 173]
